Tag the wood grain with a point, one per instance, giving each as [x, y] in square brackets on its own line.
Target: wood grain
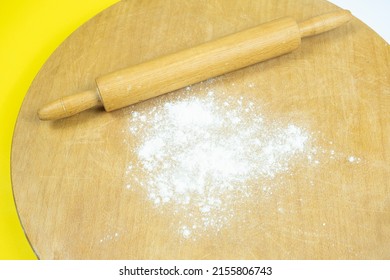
[68, 176]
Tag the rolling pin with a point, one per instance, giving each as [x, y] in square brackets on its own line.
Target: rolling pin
[174, 71]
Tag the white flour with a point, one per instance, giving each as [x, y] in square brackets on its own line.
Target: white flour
[200, 156]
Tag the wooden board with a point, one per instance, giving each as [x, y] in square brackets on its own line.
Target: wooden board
[332, 201]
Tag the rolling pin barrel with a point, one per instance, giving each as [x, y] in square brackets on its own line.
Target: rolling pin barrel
[211, 59]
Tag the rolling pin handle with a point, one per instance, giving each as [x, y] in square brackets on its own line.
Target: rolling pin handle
[323, 23]
[70, 105]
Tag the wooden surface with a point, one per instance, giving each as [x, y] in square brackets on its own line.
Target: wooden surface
[69, 176]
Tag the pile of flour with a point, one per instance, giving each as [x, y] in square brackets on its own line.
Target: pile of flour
[199, 154]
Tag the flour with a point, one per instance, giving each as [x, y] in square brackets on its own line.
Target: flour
[200, 155]
[353, 159]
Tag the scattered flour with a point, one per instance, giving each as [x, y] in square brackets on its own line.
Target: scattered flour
[353, 159]
[202, 156]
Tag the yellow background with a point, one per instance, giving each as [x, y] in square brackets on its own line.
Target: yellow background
[29, 33]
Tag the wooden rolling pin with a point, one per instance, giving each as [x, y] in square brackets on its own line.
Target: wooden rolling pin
[190, 66]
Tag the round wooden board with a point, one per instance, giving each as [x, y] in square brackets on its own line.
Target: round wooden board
[70, 177]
